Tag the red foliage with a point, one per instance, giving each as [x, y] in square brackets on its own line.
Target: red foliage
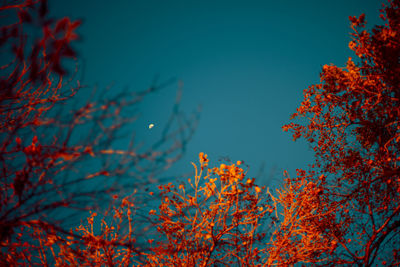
[216, 218]
[351, 120]
[56, 159]
[344, 210]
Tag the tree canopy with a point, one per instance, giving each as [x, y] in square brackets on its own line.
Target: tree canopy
[351, 120]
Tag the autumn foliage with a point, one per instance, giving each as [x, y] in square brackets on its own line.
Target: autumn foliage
[343, 210]
[216, 218]
[58, 156]
[213, 219]
[351, 120]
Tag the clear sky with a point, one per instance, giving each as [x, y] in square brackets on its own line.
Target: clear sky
[246, 63]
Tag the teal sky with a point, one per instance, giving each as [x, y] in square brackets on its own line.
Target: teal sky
[245, 62]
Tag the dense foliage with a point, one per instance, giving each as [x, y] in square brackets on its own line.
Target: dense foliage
[351, 120]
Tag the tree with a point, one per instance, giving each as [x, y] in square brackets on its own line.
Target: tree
[211, 222]
[214, 219]
[344, 210]
[349, 201]
[58, 156]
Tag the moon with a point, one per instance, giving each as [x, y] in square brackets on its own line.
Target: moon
[151, 125]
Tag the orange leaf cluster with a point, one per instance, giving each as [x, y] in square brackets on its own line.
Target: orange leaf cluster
[353, 126]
